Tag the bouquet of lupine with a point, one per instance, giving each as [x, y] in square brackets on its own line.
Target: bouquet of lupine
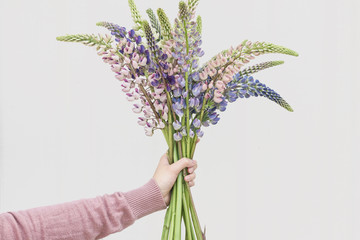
[157, 64]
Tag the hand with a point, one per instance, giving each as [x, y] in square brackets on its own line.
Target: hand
[165, 175]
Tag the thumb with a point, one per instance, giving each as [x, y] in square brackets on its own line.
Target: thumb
[181, 164]
[164, 160]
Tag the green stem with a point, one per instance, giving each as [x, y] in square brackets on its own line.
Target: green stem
[187, 96]
[172, 206]
[194, 216]
[165, 233]
[179, 190]
[188, 225]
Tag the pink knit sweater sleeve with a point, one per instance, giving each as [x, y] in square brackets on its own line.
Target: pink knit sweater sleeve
[86, 219]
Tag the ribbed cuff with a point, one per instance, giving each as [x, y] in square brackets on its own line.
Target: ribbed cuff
[146, 199]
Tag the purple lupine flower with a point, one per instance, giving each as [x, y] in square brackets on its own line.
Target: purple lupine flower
[177, 106]
[181, 81]
[176, 125]
[196, 89]
[183, 132]
[246, 86]
[192, 102]
[195, 76]
[177, 136]
[205, 123]
[177, 92]
[199, 133]
[138, 39]
[131, 33]
[222, 105]
[197, 123]
[195, 64]
[191, 133]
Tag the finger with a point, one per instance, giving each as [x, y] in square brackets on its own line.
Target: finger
[190, 177]
[181, 164]
[191, 184]
[197, 140]
[192, 169]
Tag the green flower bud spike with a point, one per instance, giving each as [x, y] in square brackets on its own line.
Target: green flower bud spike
[183, 11]
[154, 22]
[165, 24]
[88, 40]
[134, 13]
[149, 35]
[192, 4]
[199, 24]
[258, 67]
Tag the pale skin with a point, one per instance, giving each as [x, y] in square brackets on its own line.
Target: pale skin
[165, 174]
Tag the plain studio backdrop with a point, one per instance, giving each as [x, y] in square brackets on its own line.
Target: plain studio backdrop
[67, 131]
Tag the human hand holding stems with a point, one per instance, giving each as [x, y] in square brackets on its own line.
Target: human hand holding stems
[166, 174]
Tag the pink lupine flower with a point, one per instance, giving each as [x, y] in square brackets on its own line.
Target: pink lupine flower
[218, 96]
[125, 71]
[220, 85]
[135, 64]
[204, 87]
[138, 80]
[142, 121]
[127, 60]
[135, 57]
[158, 106]
[149, 131]
[159, 90]
[203, 75]
[227, 78]
[211, 85]
[164, 115]
[137, 108]
[161, 125]
[126, 86]
[119, 77]
[163, 97]
[143, 62]
[212, 72]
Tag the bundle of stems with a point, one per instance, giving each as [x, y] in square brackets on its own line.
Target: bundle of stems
[181, 207]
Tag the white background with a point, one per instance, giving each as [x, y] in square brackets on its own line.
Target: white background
[67, 131]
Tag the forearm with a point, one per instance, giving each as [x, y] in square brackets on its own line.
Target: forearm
[84, 219]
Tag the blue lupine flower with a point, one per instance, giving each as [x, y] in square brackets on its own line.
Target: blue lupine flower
[178, 106]
[222, 105]
[131, 33]
[197, 89]
[196, 123]
[192, 102]
[205, 123]
[191, 133]
[176, 125]
[177, 92]
[195, 76]
[177, 136]
[181, 81]
[183, 132]
[138, 40]
[199, 133]
[246, 86]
